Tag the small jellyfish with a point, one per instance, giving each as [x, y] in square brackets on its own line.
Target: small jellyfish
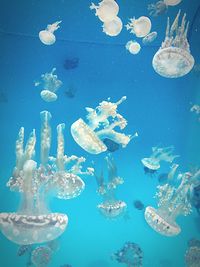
[138, 205]
[71, 63]
[157, 9]
[149, 38]
[113, 27]
[140, 27]
[41, 256]
[133, 47]
[47, 36]
[192, 257]
[107, 10]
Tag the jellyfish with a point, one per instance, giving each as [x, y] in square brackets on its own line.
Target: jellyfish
[47, 36]
[149, 38]
[138, 205]
[152, 164]
[111, 207]
[101, 123]
[174, 59]
[107, 10]
[113, 27]
[54, 176]
[50, 85]
[157, 8]
[192, 256]
[41, 256]
[173, 200]
[140, 27]
[130, 254]
[133, 47]
[71, 63]
[172, 2]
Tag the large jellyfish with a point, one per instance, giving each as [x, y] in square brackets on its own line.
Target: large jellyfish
[152, 164]
[110, 207]
[101, 123]
[47, 36]
[173, 200]
[50, 85]
[131, 254]
[140, 27]
[106, 10]
[34, 222]
[173, 59]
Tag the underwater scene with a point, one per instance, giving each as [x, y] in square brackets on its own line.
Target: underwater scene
[99, 139]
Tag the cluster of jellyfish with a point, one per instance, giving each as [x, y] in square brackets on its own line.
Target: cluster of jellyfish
[107, 11]
[53, 176]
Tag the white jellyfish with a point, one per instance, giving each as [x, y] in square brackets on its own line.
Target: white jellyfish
[47, 36]
[113, 27]
[107, 10]
[149, 38]
[133, 47]
[172, 2]
[140, 27]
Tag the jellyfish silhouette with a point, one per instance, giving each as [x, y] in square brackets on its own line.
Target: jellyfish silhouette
[71, 63]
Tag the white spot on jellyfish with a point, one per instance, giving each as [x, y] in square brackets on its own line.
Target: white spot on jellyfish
[133, 47]
[47, 36]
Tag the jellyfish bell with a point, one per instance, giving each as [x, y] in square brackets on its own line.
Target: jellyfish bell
[149, 38]
[112, 209]
[26, 229]
[47, 37]
[160, 224]
[173, 59]
[113, 27]
[133, 47]
[140, 27]
[107, 10]
[151, 163]
[172, 2]
[48, 96]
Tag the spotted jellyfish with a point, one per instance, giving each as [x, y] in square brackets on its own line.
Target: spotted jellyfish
[106, 10]
[173, 59]
[133, 47]
[113, 27]
[140, 27]
[47, 36]
[149, 38]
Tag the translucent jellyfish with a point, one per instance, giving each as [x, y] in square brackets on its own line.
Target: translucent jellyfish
[173, 200]
[157, 8]
[34, 222]
[140, 27]
[138, 205]
[106, 10]
[110, 207]
[47, 36]
[192, 256]
[173, 59]
[131, 254]
[172, 2]
[50, 85]
[152, 163]
[149, 38]
[41, 256]
[113, 27]
[133, 47]
[101, 123]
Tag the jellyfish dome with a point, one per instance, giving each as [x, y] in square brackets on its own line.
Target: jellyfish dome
[173, 59]
[112, 209]
[101, 123]
[41, 256]
[48, 96]
[192, 256]
[54, 176]
[47, 36]
[172, 202]
[151, 163]
[113, 27]
[149, 38]
[172, 2]
[107, 10]
[133, 47]
[140, 27]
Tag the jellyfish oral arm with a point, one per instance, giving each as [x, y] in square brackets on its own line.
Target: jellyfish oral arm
[53, 27]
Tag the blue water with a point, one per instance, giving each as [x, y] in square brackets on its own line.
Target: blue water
[156, 107]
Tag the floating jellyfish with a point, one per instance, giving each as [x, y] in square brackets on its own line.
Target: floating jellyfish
[152, 164]
[149, 38]
[113, 27]
[131, 255]
[138, 205]
[157, 8]
[71, 63]
[47, 36]
[140, 27]
[192, 257]
[133, 47]
[101, 123]
[34, 222]
[173, 59]
[50, 85]
[107, 10]
[110, 207]
[41, 256]
[173, 200]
